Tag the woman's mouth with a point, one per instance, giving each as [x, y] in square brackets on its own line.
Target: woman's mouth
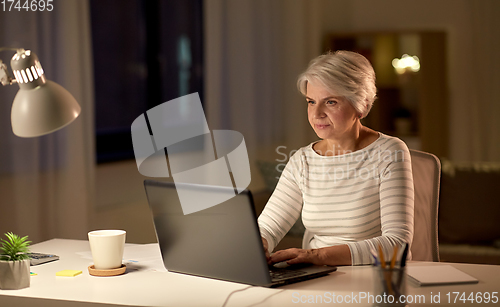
[318, 126]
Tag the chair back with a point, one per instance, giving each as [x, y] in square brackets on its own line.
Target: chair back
[426, 169]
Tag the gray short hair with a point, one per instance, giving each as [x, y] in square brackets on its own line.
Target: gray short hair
[345, 72]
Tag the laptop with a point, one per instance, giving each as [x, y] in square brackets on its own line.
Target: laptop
[221, 242]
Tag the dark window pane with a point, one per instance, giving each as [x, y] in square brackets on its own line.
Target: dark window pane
[145, 53]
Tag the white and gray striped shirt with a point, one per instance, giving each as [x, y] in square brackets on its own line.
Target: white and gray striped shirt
[362, 199]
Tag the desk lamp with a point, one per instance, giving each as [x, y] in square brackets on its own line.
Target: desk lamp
[40, 106]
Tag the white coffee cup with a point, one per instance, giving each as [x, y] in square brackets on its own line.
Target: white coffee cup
[107, 248]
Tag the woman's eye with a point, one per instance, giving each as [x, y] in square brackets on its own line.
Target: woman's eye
[310, 102]
[331, 102]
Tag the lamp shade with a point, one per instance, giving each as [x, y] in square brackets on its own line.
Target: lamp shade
[43, 110]
[40, 106]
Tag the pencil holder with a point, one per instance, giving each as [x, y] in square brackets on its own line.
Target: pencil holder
[390, 286]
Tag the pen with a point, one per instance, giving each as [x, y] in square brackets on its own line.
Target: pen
[402, 265]
[393, 264]
[374, 255]
[405, 254]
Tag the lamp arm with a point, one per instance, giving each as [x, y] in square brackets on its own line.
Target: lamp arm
[10, 48]
[5, 77]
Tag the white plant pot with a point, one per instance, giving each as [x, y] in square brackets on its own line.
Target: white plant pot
[14, 274]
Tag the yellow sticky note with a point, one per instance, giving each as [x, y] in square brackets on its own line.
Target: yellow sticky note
[68, 273]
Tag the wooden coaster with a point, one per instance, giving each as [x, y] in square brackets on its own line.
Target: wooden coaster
[112, 272]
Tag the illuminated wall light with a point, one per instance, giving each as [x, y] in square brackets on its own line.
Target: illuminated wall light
[406, 63]
[25, 78]
[34, 72]
[28, 72]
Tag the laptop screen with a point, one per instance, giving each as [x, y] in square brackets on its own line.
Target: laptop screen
[221, 242]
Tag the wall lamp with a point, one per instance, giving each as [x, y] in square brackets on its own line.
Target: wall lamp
[40, 106]
[407, 63]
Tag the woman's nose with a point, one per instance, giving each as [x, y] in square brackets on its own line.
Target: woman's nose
[319, 112]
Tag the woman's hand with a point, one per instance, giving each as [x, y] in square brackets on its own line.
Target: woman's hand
[266, 249]
[296, 255]
[333, 255]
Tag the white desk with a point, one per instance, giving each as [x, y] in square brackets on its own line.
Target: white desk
[150, 288]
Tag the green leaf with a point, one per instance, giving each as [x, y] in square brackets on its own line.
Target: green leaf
[14, 248]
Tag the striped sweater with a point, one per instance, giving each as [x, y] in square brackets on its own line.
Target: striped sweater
[362, 199]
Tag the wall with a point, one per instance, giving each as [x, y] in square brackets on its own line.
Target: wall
[256, 49]
[473, 29]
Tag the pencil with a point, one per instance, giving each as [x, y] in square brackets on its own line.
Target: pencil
[386, 274]
[394, 256]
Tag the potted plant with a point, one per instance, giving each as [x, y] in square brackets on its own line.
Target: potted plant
[14, 262]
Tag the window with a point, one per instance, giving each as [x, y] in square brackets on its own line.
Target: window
[145, 53]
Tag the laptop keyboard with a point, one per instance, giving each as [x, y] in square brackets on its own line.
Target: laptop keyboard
[277, 274]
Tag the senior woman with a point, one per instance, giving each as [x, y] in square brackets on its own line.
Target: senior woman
[354, 186]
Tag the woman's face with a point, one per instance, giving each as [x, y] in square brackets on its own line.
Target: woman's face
[330, 115]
